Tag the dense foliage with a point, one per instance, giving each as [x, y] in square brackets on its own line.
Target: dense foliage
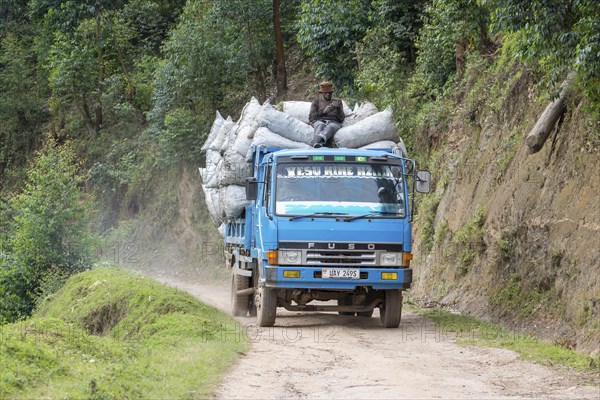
[558, 36]
[133, 84]
[219, 51]
[50, 237]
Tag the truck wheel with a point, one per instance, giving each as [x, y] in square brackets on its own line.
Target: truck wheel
[391, 310]
[266, 306]
[239, 304]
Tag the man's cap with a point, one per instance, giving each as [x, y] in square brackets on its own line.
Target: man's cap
[326, 87]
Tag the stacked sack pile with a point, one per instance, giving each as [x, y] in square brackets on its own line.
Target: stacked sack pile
[228, 148]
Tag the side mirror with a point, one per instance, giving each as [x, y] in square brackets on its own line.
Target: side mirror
[251, 188]
[423, 181]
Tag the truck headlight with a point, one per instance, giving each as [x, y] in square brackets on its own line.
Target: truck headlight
[390, 259]
[290, 257]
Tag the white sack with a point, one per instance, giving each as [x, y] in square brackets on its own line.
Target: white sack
[265, 137]
[247, 125]
[402, 147]
[382, 144]
[211, 198]
[222, 135]
[212, 159]
[243, 141]
[213, 163]
[233, 198]
[365, 109]
[233, 170]
[373, 129]
[212, 180]
[229, 139]
[214, 131]
[285, 125]
[297, 109]
[347, 110]
[360, 112]
[221, 230]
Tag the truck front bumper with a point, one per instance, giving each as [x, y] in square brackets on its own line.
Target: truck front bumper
[311, 278]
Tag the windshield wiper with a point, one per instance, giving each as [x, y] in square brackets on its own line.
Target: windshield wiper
[348, 219]
[317, 214]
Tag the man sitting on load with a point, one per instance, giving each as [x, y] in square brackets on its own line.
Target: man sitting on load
[326, 114]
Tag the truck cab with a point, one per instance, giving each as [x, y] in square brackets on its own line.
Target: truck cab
[324, 225]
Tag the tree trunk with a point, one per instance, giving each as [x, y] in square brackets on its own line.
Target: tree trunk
[261, 86]
[281, 72]
[130, 87]
[98, 111]
[87, 115]
[460, 50]
[540, 132]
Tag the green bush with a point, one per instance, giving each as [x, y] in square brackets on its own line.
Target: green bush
[50, 232]
[468, 241]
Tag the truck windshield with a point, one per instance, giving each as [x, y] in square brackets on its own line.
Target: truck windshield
[348, 188]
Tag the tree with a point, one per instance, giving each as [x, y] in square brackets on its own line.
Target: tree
[90, 49]
[281, 72]
[387, 53]
[451, 28]
[218, 54]
[51, 233]
[328, 31]
[254, 18]
[23, 88]
[557, 36]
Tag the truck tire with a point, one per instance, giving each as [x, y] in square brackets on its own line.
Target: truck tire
[390, 311]
[266, 306]
[239, 304]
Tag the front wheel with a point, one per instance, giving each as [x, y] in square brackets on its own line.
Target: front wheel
[266, 306]
[390, 311]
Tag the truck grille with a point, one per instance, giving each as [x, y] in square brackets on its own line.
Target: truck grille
[341, 257]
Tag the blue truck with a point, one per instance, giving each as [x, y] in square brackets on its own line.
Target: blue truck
[325, 230]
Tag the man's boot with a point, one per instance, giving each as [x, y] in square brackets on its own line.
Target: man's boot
[320, 142]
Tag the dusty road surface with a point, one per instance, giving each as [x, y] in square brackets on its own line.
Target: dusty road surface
[326, 356]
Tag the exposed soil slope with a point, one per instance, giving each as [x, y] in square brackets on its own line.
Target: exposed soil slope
[516, 236]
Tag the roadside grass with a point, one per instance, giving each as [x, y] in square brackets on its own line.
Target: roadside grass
[112, 334]
[469, 330]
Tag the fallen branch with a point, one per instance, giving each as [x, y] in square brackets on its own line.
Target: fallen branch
[540, 132]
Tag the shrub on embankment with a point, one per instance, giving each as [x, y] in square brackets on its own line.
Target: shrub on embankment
[111, 334]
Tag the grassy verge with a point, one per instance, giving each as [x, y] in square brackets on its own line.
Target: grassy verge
[469, 330]
[111, 334]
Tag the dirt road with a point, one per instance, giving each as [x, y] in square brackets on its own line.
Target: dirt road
[326, 356]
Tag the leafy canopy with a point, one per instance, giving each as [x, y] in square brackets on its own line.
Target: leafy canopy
[50, 231]
[328, 31]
